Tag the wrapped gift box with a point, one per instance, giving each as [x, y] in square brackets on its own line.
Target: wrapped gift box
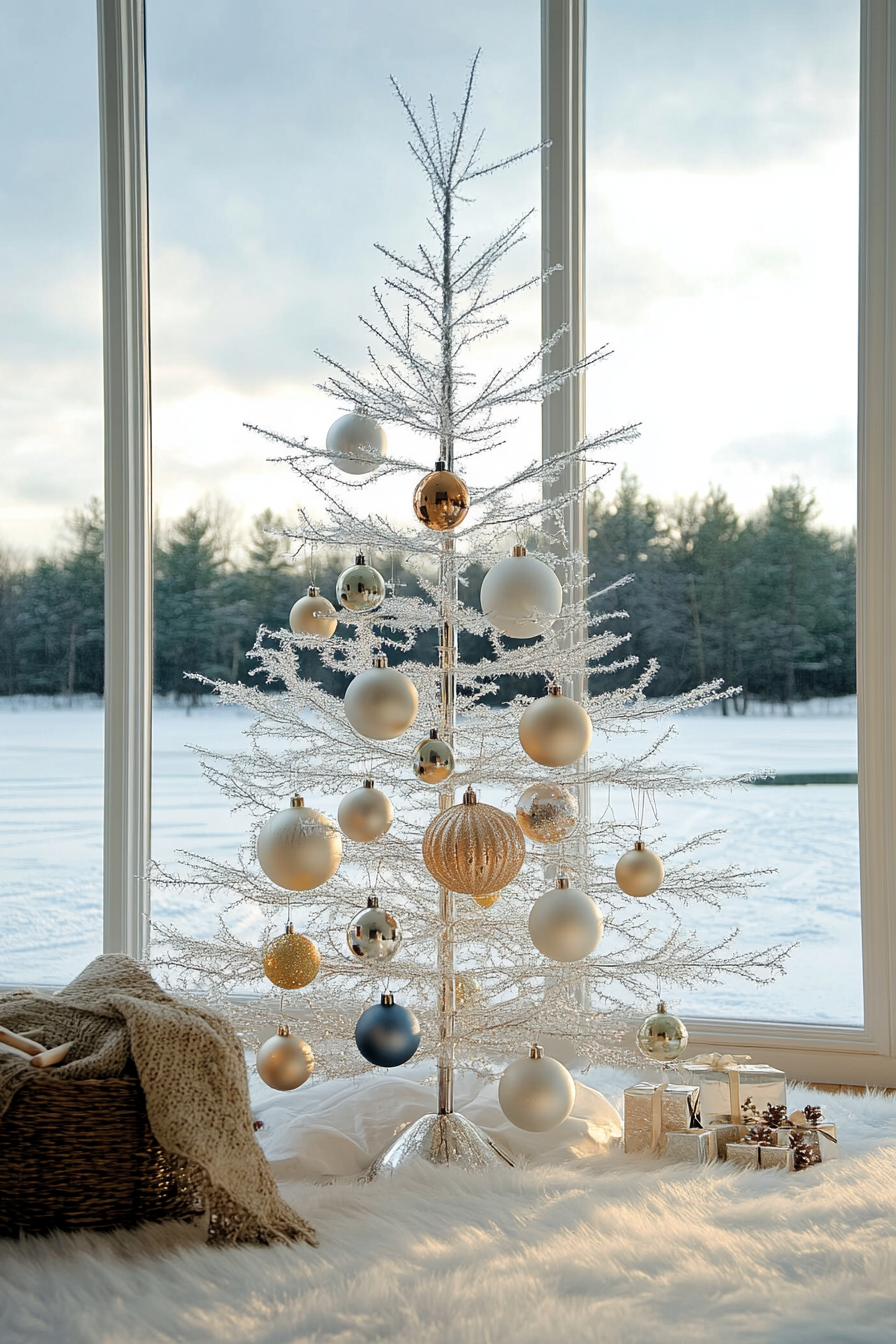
[691, 1145]
[680, 1107]
[727, 1085]
[642, 1118]
[727, 1133]
[753, 1155]
[822, 1139]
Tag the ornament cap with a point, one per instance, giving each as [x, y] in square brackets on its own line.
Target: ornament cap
[640, 845]
[369, 784]
[661, 1006]
[440, 464]
[469, 796]
[359, 559]
[283, 1029]
[297, 800]
[373, 902]
[380, 660]
[289, 927]
[312, 591]
[386, 999]
[518, 551]
[433, 734]
[554, 689]
[562, 883]
[536, 1052]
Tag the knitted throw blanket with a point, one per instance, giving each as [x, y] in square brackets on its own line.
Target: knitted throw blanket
[192, 1069]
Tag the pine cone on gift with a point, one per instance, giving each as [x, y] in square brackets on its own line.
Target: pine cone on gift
[813, 1114]
[775, 1116]
[761, 1133]
[805, 1153]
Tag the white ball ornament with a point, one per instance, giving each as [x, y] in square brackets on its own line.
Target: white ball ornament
[313, 615]
[565, 924]
[536, 1094]
[521, 596]
[381, 702]
[356, 443]
[365, 814]
[299, 848]
[555, 730]
[640, 872]
[284, 1062]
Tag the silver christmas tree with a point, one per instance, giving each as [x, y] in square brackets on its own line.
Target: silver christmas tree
[466, 965]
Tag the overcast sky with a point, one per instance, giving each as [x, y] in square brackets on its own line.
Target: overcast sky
[722, 222]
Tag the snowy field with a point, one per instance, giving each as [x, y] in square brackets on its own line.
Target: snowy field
[51, 842]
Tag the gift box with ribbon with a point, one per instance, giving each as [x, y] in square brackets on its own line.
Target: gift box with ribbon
[812, 1138]
[726, 1133]
[728, 1083]
[680, 1107]
[642, 1124]
[754, 1155]
[691, 1145]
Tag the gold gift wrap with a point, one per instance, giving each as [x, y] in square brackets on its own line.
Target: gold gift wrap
[763, 1155]
[642, 1122]
[727, 1133]
[725, 1087]
[680, 1106]
[823, 1138]
[691, 1145]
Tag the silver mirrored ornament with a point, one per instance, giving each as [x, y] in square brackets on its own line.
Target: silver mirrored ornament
[433, 761]
[547, 813]
[662, 1037]
[373, 934]
[361, 587]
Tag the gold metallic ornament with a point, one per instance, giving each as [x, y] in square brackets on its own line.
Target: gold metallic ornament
[640, 872]
[299, 848]
[473, 848]
[365, 814]
[284, 1062]
[380, 702]
[467, 991]
[433, 761]
[441, 500]
[313, 615]
[487, 899]
[373, 934]
[555, 730]
[547, 813]
[291, 961]
[662, 1036]
[360, 587]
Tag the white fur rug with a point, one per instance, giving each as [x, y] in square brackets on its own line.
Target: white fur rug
[595, 1248]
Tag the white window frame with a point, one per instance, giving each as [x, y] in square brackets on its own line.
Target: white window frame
[865, 1055]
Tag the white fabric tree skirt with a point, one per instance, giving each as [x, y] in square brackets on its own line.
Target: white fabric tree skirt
[579, 1243]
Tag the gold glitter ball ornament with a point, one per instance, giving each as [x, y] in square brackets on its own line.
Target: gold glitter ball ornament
[555, 730]
[365, 814]
[299, 848]
[547, 813]
[360, 588]
[662, 1036]
[381, 702]
[441, 500]
[433, 761]
[356, 443]
[284, 1062]
[313, 615]
[640, 872]
[291, 961]
[373, 934]
[473, 848]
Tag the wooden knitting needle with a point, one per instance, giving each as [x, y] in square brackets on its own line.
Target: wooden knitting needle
[53, 1056]
[23, 1043]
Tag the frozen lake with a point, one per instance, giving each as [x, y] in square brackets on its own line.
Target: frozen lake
[51, 842]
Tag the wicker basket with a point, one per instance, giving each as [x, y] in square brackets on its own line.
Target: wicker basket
[80, 1154]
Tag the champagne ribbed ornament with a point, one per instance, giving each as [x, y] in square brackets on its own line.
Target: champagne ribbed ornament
[360, 588]
[473, 847]
[433, 761]
[555, 730]
[640, 872]
[373, 934]
[284, 1062]
[365, 814]
[299, 848]
[547, 813]
[662, 1037]
[313, 614]
[441, 500]
[356, 443]
[292, 960]
[381, 702]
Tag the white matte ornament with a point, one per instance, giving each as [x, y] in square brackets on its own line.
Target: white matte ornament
[536, 1094]
[313, 615]
[565, 924]
[555, 730]
[640, 872]
[299, 848]
[356, 443]
[284, 1062]
[521, 596]
[381, 702]
[365, 814]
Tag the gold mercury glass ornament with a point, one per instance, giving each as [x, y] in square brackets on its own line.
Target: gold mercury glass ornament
[473, 847]
[373, 934]
[640, 872]
[360, 587]
[662, 1037]
[547, 813]
[433, 761]
[284, 1062]
[441, 500]
[291, 961]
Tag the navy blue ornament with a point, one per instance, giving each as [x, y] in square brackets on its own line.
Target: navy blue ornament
[387, 1034]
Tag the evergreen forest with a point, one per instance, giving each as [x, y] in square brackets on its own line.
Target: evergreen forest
[765, 602]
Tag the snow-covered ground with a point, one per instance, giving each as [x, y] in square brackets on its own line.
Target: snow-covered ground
[51, 842]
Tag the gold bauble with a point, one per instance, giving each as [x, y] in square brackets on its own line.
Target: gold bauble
[487, 899]
[299, 848]
[547, 813]
[433, 761]
[381, 702]
[441, 500]
[640, 872]
[360, 587]
[284, 1062]
[313, 615]
[365, 814]
[467, 991]
[662, 1036]
[473, 847]
[555, 730]
[291, 961]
